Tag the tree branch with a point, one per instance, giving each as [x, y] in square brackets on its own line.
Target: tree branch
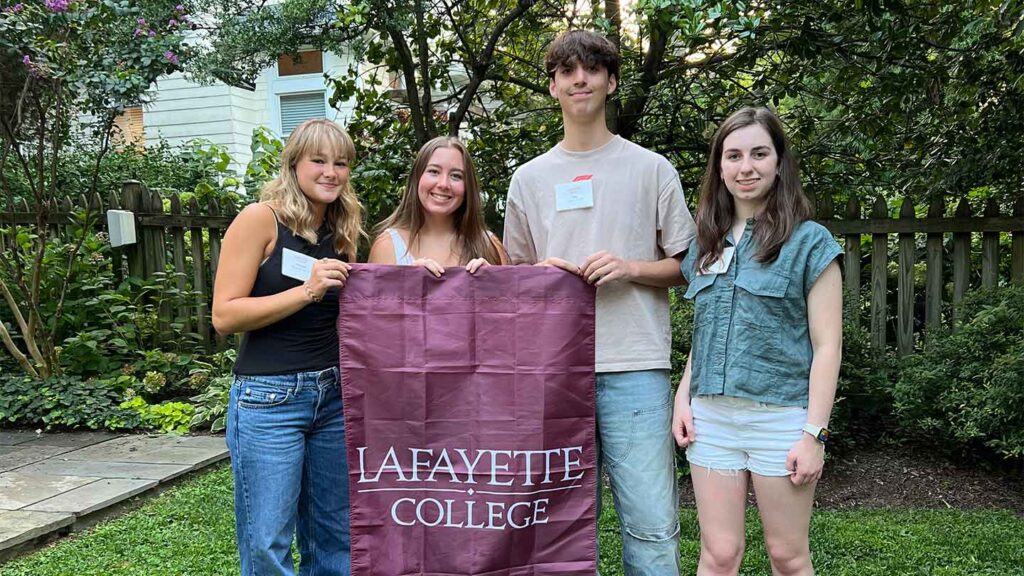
[409, 76]
[18, 355]
[478, 69]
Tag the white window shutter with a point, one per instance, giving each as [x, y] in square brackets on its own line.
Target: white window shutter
[297, 108]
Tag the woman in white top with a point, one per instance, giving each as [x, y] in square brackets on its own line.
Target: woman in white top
[439, 221]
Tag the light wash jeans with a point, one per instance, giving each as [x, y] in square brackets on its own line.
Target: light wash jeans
[634, 414]
[286, 436]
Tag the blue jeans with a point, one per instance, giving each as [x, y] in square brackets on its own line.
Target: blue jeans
[286, 436]
[634, 413]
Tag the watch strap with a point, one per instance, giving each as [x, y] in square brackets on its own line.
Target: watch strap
[819, 433]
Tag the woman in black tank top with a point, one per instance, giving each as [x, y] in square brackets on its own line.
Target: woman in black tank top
[282, 262]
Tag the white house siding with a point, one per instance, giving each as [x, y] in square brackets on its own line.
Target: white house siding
[180, 110]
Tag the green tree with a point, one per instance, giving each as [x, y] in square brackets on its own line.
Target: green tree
[62, 62]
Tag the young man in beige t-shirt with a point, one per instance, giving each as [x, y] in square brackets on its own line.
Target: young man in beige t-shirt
[602, 207]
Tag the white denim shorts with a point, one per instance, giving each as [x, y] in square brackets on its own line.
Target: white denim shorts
[742, 434]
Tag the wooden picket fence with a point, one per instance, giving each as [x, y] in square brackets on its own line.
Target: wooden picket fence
[162, 231]
[963, 227]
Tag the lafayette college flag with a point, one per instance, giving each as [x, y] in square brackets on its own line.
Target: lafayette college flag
[469, 421]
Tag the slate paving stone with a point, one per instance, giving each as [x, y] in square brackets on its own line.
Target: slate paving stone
[150, 450]
[20, 526]
[72, 439]
[205, 442]
[60, 466]
[18, 489]
[15, 437]
[46, 479]
[94, 496]
[25, 454]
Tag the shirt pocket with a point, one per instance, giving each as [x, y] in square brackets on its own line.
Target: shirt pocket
[698, 291]
[761, 312]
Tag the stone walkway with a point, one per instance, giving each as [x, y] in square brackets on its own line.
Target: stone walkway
[50, 481]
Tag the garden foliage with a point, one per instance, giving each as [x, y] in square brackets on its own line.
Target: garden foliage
[964, 391]
[60, 63]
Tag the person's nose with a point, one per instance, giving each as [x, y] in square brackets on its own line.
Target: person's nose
[747, 165]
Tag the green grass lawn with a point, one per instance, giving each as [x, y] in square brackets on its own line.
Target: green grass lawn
[190, 530]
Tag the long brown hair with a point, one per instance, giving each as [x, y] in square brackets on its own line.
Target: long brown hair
[785, 206]
[471, 236]
[344, 215]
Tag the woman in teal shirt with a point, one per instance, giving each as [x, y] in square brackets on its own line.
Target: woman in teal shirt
[754, 401]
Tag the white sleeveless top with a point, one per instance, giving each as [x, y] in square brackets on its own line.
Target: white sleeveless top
[402, 255]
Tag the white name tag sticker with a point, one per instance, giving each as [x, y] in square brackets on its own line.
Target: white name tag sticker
[296, 265]
[722, 264]
[574, 195]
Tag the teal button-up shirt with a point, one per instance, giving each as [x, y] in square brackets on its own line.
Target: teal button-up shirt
[750, 331]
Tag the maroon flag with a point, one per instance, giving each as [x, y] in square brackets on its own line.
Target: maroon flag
[469, 417]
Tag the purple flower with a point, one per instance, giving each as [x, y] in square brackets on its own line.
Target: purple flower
[15, 9]
[179, 8]
[172, 23]
[141, 21]
[57, 5]
[26, 60]
[138, 32]
[152, 33]
[171, 57]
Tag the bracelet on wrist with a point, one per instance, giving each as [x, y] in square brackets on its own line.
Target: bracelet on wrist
[309, 294]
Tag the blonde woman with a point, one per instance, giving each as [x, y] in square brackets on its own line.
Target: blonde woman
[439, 221]
[282, 262]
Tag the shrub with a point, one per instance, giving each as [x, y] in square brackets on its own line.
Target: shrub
[215, 379]
[165, 417]
[211, 407]
[65, 402]
[965, 389]
[863, 406]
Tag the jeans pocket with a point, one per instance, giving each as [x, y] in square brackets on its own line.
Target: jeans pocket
[255, 392]
[635, 432]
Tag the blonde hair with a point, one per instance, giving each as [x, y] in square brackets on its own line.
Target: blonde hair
[471, 236]
[344, 215]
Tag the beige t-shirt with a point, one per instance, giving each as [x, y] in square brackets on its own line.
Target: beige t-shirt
[638, 213]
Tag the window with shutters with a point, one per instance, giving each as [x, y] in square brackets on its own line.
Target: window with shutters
[297, 108]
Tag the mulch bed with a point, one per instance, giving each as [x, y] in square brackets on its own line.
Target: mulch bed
[893, 477]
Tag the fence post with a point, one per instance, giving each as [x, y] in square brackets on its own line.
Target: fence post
[1017, 253]
[213, 209]
[852, 263]
[156, 250]
[178, 256]
[131, 200]
[961, 256]
[933, 271]
[116, 254]
[65, 213]
[990, 250]
[199, 276]
[879, 257]
[905, 284]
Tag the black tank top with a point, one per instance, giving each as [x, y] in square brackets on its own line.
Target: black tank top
[308, 339]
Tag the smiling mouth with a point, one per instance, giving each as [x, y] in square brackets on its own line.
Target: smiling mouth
[748, 182]
[441, 197]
